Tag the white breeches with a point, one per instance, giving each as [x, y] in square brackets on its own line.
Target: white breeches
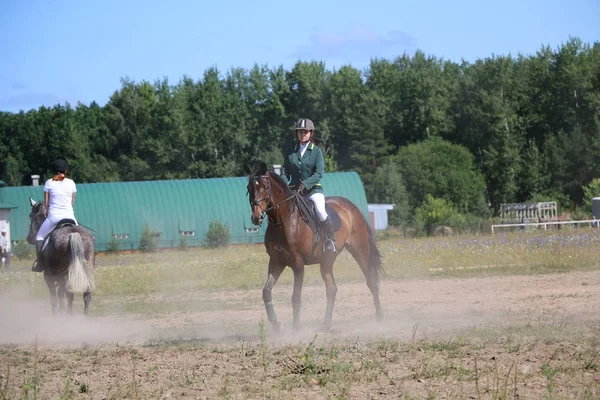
[49, 224]
[319, 200]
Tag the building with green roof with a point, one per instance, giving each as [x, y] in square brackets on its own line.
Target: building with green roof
[119, 211]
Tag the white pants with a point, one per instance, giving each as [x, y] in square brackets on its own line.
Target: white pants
[319, 200]
[50, 223]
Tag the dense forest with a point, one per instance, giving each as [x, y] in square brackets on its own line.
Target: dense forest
[422, 132]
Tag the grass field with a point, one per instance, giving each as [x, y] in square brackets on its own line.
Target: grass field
[504, 316]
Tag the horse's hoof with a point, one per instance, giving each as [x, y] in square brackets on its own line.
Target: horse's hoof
[325, 327]
[277, 327]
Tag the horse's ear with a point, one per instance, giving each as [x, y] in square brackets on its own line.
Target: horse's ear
[247, 169]
[32, 201]
[260, 167]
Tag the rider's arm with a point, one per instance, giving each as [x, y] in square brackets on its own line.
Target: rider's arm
[73, 194]
[47, 202]
[319, 170]
[286, 171]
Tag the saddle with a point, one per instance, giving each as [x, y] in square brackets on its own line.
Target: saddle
[62, 223]
[308, 212]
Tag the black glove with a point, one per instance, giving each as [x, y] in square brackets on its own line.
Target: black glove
[300, 188]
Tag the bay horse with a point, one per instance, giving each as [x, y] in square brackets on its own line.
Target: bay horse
[68, 257]
[289, 241]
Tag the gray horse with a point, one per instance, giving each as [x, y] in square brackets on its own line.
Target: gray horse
[69, 260]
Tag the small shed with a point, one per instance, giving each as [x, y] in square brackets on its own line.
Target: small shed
[378, 214]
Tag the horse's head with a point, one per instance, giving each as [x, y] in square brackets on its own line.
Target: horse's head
[259, 191]
[36, 219]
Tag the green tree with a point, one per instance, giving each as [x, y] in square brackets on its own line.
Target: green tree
[443, 170]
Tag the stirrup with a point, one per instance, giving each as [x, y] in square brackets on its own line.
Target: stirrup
[330, 245]
[36, 267]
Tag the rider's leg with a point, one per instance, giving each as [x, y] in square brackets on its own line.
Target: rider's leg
[44, 230]
[319, 200]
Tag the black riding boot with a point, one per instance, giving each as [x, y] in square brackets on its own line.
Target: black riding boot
[330, 235]
[37, 265]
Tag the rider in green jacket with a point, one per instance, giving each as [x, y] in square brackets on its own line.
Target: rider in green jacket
[304, 167]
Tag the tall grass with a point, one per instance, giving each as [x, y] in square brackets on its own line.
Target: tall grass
[245, 267]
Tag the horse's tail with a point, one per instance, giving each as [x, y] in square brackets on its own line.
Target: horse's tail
[81, 275]
[375, 264]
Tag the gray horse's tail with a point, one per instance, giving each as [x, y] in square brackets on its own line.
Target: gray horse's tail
[81, 275]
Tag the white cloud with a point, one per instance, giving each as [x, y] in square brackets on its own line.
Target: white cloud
[358, 41]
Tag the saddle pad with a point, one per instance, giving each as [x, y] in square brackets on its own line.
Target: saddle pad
[61, 223]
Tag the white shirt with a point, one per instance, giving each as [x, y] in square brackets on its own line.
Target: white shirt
[3, 242]
[303, 148]
[61, 196]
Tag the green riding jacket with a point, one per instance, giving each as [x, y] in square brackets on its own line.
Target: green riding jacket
[307, 170]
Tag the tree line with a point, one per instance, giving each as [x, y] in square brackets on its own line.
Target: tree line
[421, 131]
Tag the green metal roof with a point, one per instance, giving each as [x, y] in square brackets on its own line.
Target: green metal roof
[169, 207]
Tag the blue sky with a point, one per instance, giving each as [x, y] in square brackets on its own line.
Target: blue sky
[57, 51]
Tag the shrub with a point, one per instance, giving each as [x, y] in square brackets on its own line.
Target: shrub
[183, 246]
[217, 235]
[113, 245]
[435, 212]
[149, 240]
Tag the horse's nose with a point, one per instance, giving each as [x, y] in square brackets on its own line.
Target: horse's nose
[257, 220]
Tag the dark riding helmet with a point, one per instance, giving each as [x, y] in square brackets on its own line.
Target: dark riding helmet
[60, 165]
[305, 123]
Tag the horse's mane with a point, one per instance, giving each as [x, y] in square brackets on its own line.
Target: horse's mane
[39, 210]
[281, 182]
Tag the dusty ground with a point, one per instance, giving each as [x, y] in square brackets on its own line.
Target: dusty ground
[492, 337]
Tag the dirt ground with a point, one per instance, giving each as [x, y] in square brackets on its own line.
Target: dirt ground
[441, 338]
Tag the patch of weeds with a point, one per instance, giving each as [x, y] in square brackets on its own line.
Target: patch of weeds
[318, 364]
[225, 391]
[68, 392]
[4, 385]
[388, 349]
[188, 380]
[451, 347]
[548, 373]
[262, 330]
[501, 386]
[31, 389]
[291, 381]
[370, 369]
[152, 371]
[84, 388]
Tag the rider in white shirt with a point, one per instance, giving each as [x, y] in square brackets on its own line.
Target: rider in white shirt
[59, 197]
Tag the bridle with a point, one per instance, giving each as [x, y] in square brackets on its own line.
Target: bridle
[269, 200]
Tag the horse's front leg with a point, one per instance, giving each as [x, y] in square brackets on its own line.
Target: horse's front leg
[275, 270]
[51, 283]
[330, 289]
[297, 294]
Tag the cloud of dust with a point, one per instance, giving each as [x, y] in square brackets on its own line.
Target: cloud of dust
[27, 320]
